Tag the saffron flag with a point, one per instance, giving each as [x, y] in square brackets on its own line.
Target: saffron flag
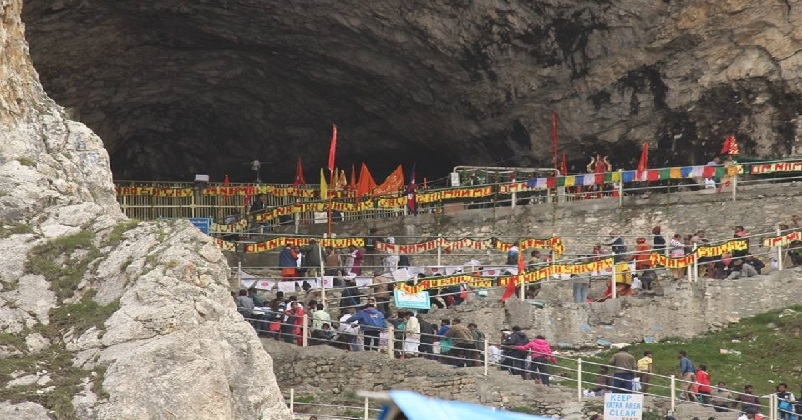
[391, 185]
[324, 188]
[299, 174]
[332, 147]
[226, 183]
[730, 147]
[340, 182]
[513, 282]
[564, 166]
[365, 183]
[643, 163]
[412, 203]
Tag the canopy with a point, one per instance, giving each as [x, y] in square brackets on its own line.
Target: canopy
[418, 407]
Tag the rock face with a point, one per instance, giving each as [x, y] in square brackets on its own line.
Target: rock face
[100, 317]
[177, 87]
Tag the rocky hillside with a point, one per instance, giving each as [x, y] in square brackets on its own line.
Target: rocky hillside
[102, 317]
[178, 86]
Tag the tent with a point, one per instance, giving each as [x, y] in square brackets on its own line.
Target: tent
[402, 405]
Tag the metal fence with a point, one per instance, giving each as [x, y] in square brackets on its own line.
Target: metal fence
[226, 203]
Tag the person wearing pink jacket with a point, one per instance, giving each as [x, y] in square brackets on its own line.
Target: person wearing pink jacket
[542, 356]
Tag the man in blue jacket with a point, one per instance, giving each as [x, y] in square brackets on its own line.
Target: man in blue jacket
[372, 323]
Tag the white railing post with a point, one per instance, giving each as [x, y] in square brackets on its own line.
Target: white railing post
[367, 408]
[305, 331]
[296, 219]
[439, 251]
[239, 274]
[322, 272]
[773, 407]
[391, 341]
[695, 263]
[487, 355]
[514, 195]
[779, 252]
[579, 379]
[292, 400]
[734, 184]
[612, 279]
[620, 188]
[673, 393]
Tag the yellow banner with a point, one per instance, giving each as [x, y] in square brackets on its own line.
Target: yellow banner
[239, 226]
[225, 245]
[528, 277]
[554, 243]
[701, 252]
[782, 240]
[282, 241]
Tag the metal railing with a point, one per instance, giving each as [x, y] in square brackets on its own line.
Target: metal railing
[208, 201]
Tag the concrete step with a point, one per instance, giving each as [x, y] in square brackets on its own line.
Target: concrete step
[691, 411]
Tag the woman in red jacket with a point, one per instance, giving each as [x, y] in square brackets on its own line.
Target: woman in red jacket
[703, 382]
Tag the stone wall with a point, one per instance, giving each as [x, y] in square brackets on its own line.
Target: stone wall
[330, 373]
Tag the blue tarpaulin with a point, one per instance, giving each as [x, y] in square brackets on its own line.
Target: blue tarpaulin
[418, 407]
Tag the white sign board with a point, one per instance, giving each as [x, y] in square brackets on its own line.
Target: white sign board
[623, 406]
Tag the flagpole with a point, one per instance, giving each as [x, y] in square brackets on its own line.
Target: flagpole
[328, 193]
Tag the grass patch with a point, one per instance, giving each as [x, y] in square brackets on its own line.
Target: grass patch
[81, 316]
[16, 341]
[522, 409]
[116, 235]
[305, 399]
[766, 348]
[54, 261]
[25, 161]
[65, 378]
[15, 229]
[352, 414]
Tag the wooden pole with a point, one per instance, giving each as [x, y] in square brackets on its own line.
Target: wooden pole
[328, 194]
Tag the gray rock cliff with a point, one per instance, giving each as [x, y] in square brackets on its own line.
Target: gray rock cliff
[102, 317]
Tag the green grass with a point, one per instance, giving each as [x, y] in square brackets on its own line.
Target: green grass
[54, 261]
[116, 234]
[81, 316]
[15, 229]
[766, 354]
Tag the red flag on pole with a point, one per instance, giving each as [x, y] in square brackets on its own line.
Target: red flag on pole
[513, 283]
[299, 174]
[643, 163]
[332, 147]
[554, 137]
[226, 192]
[564, 166]
[366, 182]
[730, 146]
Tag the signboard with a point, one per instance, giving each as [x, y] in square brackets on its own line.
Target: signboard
[418, 300]
[204, 224]
[623, 406]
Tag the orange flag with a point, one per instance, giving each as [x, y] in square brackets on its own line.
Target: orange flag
[366, 182]
[341, 182]
[393, 183]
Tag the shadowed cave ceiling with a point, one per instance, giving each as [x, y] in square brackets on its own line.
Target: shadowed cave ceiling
[179, 87]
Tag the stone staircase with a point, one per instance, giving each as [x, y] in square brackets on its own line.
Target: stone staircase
[690, 411]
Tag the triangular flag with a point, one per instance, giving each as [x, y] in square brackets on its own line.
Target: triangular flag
[341, 181]
[324, 188]
[299, 174]
[730, 146]
[393, 183]
[365, 183]
[332, 147]
[643, 163]
[226, 183]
